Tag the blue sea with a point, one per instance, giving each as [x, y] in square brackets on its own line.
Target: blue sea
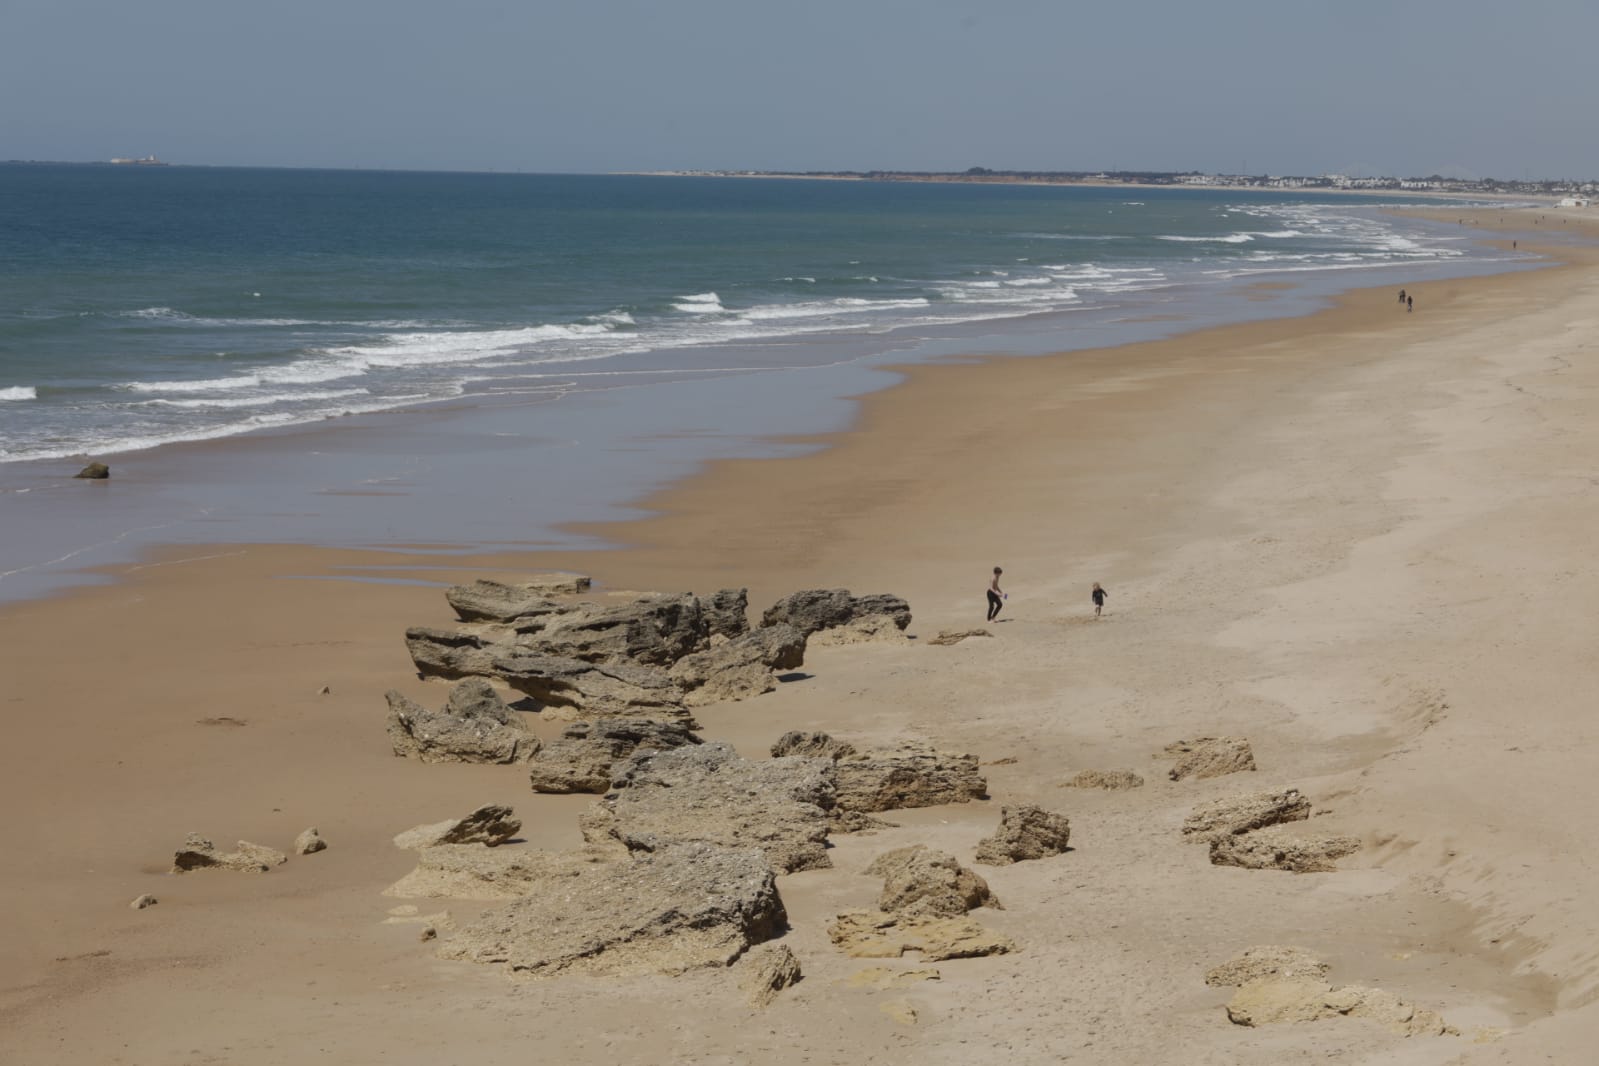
[385, 359]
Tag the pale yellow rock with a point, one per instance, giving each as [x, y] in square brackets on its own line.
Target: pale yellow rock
[1266, 960]
[765, 971]
[1270, 1000]
[900, 1010]
[1111, 780]
[869, 935]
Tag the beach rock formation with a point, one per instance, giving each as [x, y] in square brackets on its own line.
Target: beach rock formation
[727, 614]
[910, 775]
[1113, 780]
[1269, 1000]
[475, 725]
[918, 881]
[868, 629]
[879, 935]
[656, 629]
[1265, 960]
[1283, 848]
[707, 793]
[495, 601]
[811, 745]
[94, 472]
[955, 636]
[1025, 832]
[1205, 757]
[589, 689]
[142, 902]
[473, 871]
[490, 824]
[198, 853]
[309, 842]
[813, 610]
[682, 907]
[1240, 814]
[765, 971]
[450, 653]
[739, 668]
[583, 758]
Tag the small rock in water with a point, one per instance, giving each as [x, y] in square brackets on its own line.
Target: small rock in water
[94, 472]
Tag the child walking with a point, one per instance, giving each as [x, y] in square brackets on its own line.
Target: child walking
[1100, 596]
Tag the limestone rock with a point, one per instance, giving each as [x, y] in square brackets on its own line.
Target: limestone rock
[727, 614]
[656, 629]
[867, 629]
[474, 726]
[490, 824]
[1283, 848]
[869, 935]
[143, 901]
[955, 636]
[450, 653]
[1240, 814]
[1269, 1000]
[708, 793]
[1114, 780]
[920, 881]
[813, 610]
[473, 871]
[680, 908]
[309, 842]
[911, 775]
[1266, 960]
[589, 688]
[495, 601]
[740, 668]
[812, 745]
[94, 472]
[1209, 757]
[583, 759]
[1025, 832]
[767, 970]
[199, 853]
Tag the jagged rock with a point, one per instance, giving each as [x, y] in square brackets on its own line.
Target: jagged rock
[94, 472]
[1114, 780]
[911, 775]
[1025, 832]
[656, 629]
[767, 970]
[856, 822]
[1240, 814]
[813, 610]
[473, 871]
[955, 636]
[1209, 757]
[811, 745]
[740, 668]
[199, 853]
[309, 842]
[582, 760]
[450, 653]
[727, 614]
[474, 726]
[869, 935]
[589, 688]
[1266, 960]
[920, 881]
[1268, 1000]
[1282, 848]
[881, 977]
[708, 793]
[867, 629]
[143, 901]
[495, 601]
[680, 908]
[490, 824]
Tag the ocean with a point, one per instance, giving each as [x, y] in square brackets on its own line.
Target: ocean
[636, 316]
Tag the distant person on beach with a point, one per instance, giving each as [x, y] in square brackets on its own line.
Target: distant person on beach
[1401, 295]
[1410, 303]
[1100, 596]
[996, 595]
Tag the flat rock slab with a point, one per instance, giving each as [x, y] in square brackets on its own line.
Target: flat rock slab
[684, 907]
[955, 636]
[1111, 780]
[1025, 832]
[1205, 757]
[1275, 1000]
[1283, 848]
[1241, 814]
[911, 775]
[709, 793]
[585, 757]
[475, 871]
[496, 601]
[591, 689]
[198, 853]
[876, 935]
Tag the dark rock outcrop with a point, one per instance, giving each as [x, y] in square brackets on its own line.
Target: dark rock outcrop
[582, 760]
[727, 613]
[490, 824]
[1025, 832]
[474, 726]
[741, 668]
[813, 610]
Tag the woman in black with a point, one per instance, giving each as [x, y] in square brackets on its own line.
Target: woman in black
[996, 597]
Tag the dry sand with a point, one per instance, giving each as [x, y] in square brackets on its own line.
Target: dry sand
[1361, 539]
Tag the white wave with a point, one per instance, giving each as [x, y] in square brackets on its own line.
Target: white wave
[240, 381]
[614, 318]
[801, 277]
[700, 303]
[1231, 238]
[434, 347]
[846, 305]
[19, 392]
[269, 400]
[1031, 281]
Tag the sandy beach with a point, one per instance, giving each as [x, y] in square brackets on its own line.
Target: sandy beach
[1358, 539]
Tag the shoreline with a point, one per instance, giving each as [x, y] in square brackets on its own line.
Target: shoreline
[1285, 513]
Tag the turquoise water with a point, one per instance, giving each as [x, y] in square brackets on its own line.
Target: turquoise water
[144, 306]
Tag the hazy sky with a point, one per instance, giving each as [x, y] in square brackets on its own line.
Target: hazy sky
[1409, 87]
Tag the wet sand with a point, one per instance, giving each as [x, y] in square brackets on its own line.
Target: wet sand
[1359, 539]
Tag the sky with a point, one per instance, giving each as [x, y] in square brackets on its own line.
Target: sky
[1407, 87]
